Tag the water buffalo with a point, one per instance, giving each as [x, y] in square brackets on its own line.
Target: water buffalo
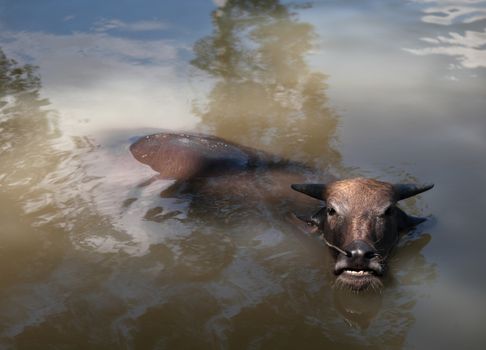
[358, 218]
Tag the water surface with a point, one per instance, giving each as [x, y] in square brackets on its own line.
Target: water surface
[91, 256]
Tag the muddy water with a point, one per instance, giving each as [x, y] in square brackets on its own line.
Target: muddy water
[91, 256]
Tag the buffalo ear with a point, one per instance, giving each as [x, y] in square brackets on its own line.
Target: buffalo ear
[313, 190]
[406, 221]
[319, 217]
[314, 220]
[403, 191]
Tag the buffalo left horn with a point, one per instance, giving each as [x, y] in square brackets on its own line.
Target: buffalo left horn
[404, 191]
[313, 190]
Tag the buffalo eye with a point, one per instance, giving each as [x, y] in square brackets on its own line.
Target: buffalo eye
[331, 211]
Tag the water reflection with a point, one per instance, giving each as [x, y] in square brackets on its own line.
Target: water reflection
[31, 245]
[118, 77]
[90, 257]
[265, 95]
[27, 157]
[467, 47]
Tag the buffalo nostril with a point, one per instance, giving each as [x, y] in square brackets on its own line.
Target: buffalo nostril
[370, 255]
[358, 253]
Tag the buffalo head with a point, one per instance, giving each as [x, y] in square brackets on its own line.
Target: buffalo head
[361, 224]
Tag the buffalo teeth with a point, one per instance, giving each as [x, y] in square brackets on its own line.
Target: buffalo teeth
[358, 273]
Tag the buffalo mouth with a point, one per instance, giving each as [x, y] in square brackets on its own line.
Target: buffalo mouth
[359, 279]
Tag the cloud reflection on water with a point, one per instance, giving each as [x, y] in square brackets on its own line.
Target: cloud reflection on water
[468, 48]
[105, 24]
[98, 80]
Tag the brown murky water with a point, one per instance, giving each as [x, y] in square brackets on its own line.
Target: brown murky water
[92, 257]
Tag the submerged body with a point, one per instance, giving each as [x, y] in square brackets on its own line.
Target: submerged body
[184, 156]
[358, 218]
[209, 168]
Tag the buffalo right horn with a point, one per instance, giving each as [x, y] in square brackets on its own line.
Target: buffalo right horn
[313, 190]
[404, 191]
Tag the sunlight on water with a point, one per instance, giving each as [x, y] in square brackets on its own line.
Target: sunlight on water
[97, 252]
[467, 48]
[101, 82]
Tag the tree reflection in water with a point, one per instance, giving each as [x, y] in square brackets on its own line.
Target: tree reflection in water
[265, 94]
[202, 282]
[26, 159]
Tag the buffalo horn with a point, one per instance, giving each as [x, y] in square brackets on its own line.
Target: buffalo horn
[404, 191]
[313, 190]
